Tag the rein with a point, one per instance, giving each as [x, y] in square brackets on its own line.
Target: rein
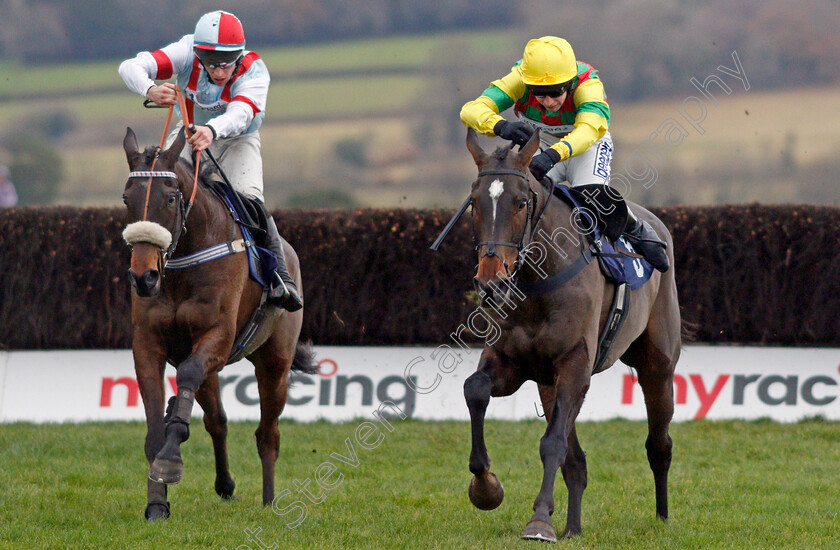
[152, 173]
[166, 251]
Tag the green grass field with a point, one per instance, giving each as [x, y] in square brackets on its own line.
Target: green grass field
[733, 484]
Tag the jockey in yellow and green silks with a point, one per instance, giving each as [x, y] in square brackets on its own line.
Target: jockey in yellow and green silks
[563, 99]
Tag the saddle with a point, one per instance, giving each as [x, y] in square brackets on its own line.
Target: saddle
[617, 258]
[250, 215]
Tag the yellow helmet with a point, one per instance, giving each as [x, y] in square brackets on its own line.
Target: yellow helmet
[548, 61]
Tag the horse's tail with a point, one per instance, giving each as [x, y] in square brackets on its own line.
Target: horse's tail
[304, 360]
[688, 331]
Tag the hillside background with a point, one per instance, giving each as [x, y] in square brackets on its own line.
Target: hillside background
[363, 108]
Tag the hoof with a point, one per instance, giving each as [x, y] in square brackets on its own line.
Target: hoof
[224, 488]
[539, 530]
[486, 492]
[166, 471]
[156, 511]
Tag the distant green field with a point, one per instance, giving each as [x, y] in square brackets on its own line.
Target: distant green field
[320, 60]
[401, 96]
[733, 484]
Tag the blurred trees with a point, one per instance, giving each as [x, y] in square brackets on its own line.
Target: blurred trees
[65, 30]
[646, 48]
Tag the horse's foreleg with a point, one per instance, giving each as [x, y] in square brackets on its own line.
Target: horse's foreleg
[215, 422]
[572, 384]
[486, 492]
[573, 468]
[492, 379]
[168, 467]
[150, 381]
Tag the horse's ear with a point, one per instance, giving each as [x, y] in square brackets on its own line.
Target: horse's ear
[528, 150]
[476, 151]
[130, 146]
[177, 146]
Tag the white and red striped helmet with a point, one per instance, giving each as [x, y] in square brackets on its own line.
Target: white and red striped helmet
[219, 31]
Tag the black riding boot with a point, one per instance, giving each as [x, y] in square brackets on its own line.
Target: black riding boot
[284, 292]
[647, 242]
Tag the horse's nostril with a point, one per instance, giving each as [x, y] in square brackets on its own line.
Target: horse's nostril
[146, 284]
[150, 278]
[479, 285]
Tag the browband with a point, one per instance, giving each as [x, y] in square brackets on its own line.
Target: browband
[503, 172]
[150, 174]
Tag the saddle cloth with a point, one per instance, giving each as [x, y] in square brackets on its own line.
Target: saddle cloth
[615, 266]
[249, 216]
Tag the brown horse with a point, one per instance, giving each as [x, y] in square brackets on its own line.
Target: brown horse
[551, 337]
[193, 317]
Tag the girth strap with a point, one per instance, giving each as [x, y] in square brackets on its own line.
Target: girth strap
[618, 313]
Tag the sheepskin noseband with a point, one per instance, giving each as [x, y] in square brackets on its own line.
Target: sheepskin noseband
[148, 232]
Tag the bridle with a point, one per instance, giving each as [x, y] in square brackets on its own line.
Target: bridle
[529, 229]
[180, 224]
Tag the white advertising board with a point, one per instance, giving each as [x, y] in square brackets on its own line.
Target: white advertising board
[784, 384]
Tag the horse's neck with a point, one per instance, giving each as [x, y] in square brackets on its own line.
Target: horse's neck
[557, 241]
[208, 222]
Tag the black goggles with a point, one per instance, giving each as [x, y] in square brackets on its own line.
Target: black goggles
[221, 64]
[216, 59]
[551, 91]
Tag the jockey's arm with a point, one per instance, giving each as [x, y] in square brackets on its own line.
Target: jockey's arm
[482, 114]
[140, 72]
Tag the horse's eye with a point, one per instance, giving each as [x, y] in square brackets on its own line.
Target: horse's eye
[523, 203]
[171, 200]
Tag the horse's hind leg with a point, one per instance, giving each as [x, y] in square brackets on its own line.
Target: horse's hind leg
[658, 388]
[655, 371]
[215, 422]
[273, 383]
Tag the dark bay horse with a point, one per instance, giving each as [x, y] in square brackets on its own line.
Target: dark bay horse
[192, 317]
[551, 337]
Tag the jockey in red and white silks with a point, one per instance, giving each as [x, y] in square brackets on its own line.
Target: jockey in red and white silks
[231, 108]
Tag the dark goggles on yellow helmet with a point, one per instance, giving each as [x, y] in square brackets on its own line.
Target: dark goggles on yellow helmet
[554, 91]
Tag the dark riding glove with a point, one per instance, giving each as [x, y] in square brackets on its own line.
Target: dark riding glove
[517, 132]
[542, 163]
